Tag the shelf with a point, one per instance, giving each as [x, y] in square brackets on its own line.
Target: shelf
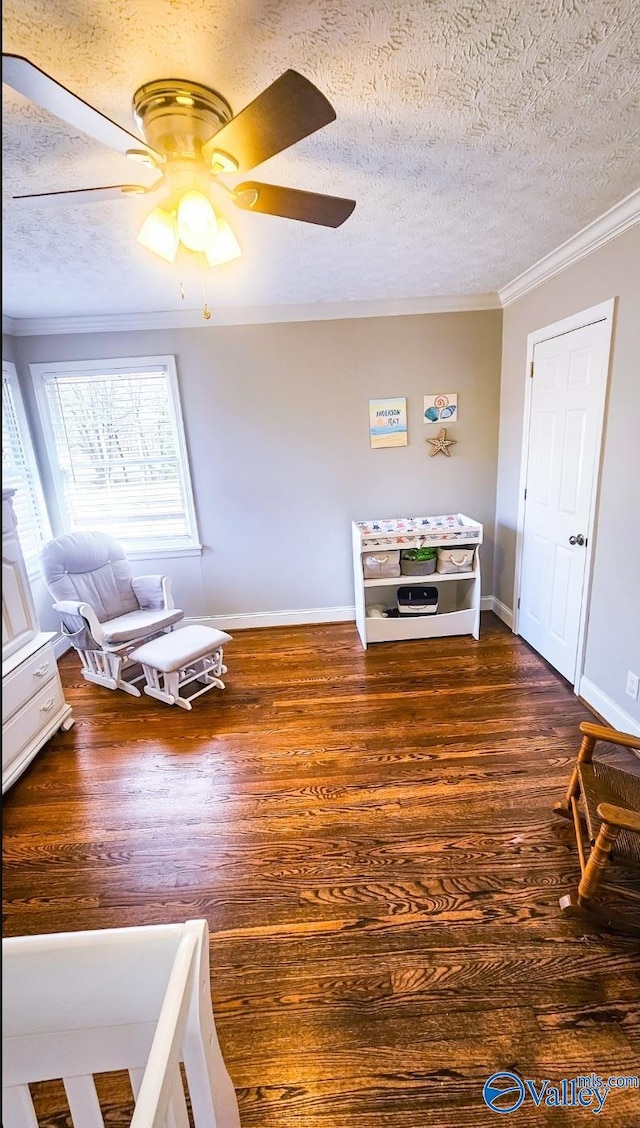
[409, 581]
[421, 626]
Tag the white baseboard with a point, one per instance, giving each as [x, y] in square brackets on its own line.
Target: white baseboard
[61, 645]
[501, 610]
[274, 618]
[246, 619]
[607, 708]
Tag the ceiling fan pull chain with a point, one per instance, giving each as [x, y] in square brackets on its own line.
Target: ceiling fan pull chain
[206, 312]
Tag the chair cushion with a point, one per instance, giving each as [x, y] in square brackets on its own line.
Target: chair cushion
[89, 568]
[171, 651]
[138, 624]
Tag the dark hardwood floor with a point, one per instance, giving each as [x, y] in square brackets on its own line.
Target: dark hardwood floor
[370, 838]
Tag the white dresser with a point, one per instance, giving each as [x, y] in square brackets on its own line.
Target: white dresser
[33, 704]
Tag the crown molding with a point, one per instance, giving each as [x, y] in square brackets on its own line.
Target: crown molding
[249, 315]
[608, 226]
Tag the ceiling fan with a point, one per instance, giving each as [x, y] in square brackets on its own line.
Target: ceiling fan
[191, 137]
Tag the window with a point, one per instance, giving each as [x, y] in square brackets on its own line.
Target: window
[20, 472]
[117, 447]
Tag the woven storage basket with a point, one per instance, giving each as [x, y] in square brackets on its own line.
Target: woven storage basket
[452, 560]
[417, 567]
[381, 565]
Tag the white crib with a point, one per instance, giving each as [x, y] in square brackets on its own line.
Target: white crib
[77, 1004]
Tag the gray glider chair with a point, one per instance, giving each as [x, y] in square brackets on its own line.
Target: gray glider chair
[105, 612]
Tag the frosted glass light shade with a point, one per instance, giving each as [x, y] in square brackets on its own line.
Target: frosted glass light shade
[223, 247]
[159, 234]
[197, 223]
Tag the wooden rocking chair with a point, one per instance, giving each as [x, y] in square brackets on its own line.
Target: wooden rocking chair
[603, 799]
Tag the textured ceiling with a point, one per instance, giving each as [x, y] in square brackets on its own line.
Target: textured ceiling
[475, 135]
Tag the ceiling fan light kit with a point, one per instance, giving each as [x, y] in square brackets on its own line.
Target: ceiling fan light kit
[191, 138]
[197, 223]
[224, 247]
[159, 233]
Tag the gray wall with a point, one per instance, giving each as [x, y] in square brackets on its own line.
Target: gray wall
[276, 418]
[613, 640]
[8, 352]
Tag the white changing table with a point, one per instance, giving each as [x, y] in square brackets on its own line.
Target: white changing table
[459, 595]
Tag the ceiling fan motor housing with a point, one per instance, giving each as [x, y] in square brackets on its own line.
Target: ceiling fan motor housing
[178, 117]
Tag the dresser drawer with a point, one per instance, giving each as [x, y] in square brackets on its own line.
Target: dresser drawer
[25, 725]
[28, 678]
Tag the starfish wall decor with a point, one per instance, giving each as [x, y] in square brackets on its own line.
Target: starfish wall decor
[441, 444]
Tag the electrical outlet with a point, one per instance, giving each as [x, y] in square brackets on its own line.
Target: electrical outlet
[632, 684]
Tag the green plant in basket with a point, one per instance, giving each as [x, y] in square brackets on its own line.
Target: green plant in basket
[420, 554]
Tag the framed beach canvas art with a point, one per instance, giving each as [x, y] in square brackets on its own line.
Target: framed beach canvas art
[442, 408]
[388, 422]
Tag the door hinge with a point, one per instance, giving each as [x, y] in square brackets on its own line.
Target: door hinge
[531, 369]
[525, 493]
[518, 603]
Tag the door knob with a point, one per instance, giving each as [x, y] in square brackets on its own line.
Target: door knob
[577, 540]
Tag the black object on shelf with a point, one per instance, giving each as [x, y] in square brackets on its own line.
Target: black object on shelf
[417, 600]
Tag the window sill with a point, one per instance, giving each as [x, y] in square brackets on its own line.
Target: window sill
[163, 553]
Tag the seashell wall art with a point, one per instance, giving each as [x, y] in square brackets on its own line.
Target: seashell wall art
[442, 408]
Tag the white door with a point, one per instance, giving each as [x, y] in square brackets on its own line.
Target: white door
[567, 403]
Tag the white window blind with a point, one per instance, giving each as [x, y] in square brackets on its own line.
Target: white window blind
[119, 452]
[20, 472]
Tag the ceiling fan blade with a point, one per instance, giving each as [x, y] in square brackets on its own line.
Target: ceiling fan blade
[25, 77]
[309, 207]
[86, 195]
[288, 110]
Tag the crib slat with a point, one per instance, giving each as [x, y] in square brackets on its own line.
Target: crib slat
[17, 1108]
[177, 1114]
[83, 1101]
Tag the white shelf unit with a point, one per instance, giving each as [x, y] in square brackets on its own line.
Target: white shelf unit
[459, 595]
